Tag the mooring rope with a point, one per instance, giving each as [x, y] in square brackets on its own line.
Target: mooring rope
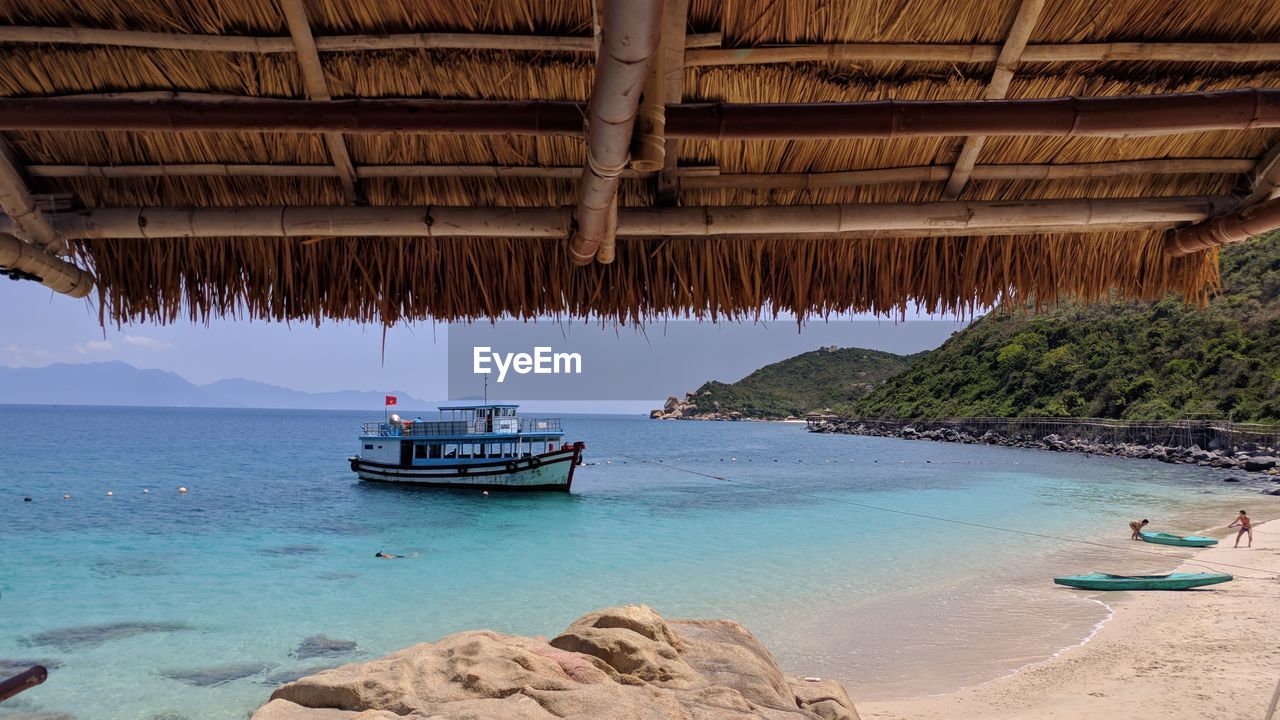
[1271, 574]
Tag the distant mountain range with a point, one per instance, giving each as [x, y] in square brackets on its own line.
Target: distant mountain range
[119, 383]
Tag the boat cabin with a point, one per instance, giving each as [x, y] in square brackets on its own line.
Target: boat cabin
[462, 434]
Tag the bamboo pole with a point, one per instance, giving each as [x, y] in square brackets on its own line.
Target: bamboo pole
[1122, 116]
[317, 88]
[16, 202]
[1023, 22]
[25, 260]
[1118, 116]
[435, 221]
[494, 172]
[1264, 177]
[628, 40]
[690, 177]
[1233, 227]
[939, 173]
[337, 43]
[1047, 53]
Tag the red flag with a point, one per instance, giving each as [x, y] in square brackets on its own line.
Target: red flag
[391, 400]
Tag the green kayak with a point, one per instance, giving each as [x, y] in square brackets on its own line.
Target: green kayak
[1164, 538]
[1173, 581]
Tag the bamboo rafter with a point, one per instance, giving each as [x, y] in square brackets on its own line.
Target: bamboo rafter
[32, 262]
[703, 49]
[1006, 63]
[29, 222]
[1178, 52]
[886, 219]
[295, 14]
[1109, 116]
[334, 43]
[689, 177]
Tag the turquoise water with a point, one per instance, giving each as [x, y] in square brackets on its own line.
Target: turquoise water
[196, 604]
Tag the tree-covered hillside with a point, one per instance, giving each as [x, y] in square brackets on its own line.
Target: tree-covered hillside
[1119, 360]
[829, 378]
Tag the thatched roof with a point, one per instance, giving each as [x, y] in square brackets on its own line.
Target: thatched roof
[384, 279]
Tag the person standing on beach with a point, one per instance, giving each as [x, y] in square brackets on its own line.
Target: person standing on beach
[1135, 527]
[1246, 526]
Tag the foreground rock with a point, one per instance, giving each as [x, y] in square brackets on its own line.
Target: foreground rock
[618, 663]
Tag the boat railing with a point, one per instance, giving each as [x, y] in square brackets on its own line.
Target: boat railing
[451, 428]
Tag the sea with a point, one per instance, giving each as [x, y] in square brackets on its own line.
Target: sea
[901, 568]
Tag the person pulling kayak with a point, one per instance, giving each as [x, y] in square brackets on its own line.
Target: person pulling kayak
[1135, 528]
[1246, 526]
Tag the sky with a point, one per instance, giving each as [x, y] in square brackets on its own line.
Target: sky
[39, 327]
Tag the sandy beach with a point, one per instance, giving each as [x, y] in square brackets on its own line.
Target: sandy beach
[1209, 653]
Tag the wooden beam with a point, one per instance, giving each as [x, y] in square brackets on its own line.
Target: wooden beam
[26, 261]
[16, 202]
[338, 43]
[1233, 227]
[295, 14]
[493, 172]
[436, 221]
[1007, 62]
[940, 173]
[971, 54]
[1122, 116]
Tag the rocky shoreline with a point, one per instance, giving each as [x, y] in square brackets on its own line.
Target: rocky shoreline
[676, 409]
[1252, 462]
[622, 663]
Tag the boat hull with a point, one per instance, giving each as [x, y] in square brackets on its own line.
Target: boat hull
[1171, 539]
[549, 471]
[1174, 581]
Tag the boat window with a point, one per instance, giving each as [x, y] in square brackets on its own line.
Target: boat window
[434, 452]
[368, 446]
[451, 450]
[420, 451]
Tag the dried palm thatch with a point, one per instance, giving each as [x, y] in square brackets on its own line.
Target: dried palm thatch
[391, 280]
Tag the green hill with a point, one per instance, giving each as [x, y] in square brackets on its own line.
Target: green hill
[1162, 360]
[826, 378]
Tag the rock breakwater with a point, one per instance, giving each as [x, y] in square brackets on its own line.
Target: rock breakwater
[1246, 462]
[625, 662]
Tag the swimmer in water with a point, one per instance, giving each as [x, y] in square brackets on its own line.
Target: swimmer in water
[386, 556]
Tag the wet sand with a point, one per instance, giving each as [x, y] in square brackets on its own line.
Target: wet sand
[1212, 653]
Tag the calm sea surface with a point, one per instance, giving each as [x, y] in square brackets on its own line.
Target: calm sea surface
[163, 605]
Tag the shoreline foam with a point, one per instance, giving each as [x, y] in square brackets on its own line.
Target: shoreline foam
[1203, 654]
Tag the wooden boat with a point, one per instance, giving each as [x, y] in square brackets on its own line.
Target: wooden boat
[1164, 538]
[1172, 581]
[472, 446]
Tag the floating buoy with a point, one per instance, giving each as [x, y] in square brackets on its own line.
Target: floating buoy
[182, 489]
[146, 491]
[66, 497]
[109, 493]
[486, 493]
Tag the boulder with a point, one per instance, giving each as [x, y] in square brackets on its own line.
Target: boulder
[1258, 464]
[621, 663]
[671, 404]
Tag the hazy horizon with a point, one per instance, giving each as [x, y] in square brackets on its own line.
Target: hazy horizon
[41, 328]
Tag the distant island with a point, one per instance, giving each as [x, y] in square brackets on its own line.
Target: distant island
[1161, 360]
[119, 383]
